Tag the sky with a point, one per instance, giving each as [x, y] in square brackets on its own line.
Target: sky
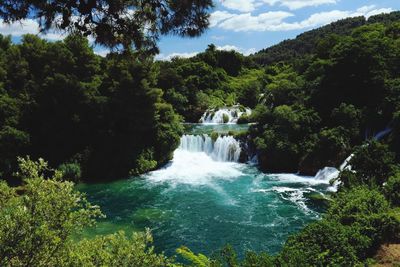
[247, 26]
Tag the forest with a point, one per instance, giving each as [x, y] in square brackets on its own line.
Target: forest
[330, 93]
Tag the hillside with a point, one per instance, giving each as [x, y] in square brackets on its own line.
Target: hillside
[307, 43]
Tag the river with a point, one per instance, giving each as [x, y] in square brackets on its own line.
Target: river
[204, 199]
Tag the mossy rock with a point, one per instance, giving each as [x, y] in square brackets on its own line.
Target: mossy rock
[212, 114]
[225, 118]
[319, 199]
[214, 136]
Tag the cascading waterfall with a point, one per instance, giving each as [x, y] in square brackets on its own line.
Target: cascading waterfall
[225, 115]
[225, 148]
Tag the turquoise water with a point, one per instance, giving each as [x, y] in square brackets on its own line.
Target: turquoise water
[197, 128]
[204, 204]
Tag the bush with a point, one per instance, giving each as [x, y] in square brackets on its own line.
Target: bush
[144, 163]
[39, 225]
[367, 211]
[324, 243]
[117, 250]
[71, 171]
[36, 227]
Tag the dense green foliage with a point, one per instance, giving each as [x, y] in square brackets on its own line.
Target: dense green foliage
[62, 102]
[316, 108]
[212, 79]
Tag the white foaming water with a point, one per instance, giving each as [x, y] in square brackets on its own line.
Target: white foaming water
[232, 114]
[194, 168]
[198, 161]
[294, 178]
[225, 148]
[295, 195]
[327, 174]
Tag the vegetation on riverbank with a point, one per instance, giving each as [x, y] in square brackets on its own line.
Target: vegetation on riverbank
[105, 118]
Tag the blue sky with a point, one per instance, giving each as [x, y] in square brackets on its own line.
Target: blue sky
[248, 25]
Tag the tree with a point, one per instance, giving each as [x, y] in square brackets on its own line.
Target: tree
[366, 210]
[114, 23]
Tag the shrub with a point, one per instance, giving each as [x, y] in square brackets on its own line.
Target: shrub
[39, 225]
[117, 250]
[71, 171]
[36, 227]
[144, 163]
[243, 119]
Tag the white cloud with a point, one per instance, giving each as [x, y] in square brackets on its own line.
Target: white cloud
[19, 28]
[245, 52]
[172, 55]
[241, 5]
[27, 26]
[218, 16]
[297, 4]
[248, 22]
[275, 21]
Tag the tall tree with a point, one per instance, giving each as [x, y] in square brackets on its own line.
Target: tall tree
[115, 23]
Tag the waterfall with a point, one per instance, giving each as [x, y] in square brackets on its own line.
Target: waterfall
[225, 115]
[225, 148]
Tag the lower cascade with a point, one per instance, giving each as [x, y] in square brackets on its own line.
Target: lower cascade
[225, 148]
[225, 115]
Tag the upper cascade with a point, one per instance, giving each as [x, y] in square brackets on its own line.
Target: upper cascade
[225, 115]
[225, 148]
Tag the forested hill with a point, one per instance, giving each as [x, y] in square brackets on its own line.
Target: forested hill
[309, 42]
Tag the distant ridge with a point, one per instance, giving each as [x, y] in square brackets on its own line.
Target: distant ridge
[306, 42]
